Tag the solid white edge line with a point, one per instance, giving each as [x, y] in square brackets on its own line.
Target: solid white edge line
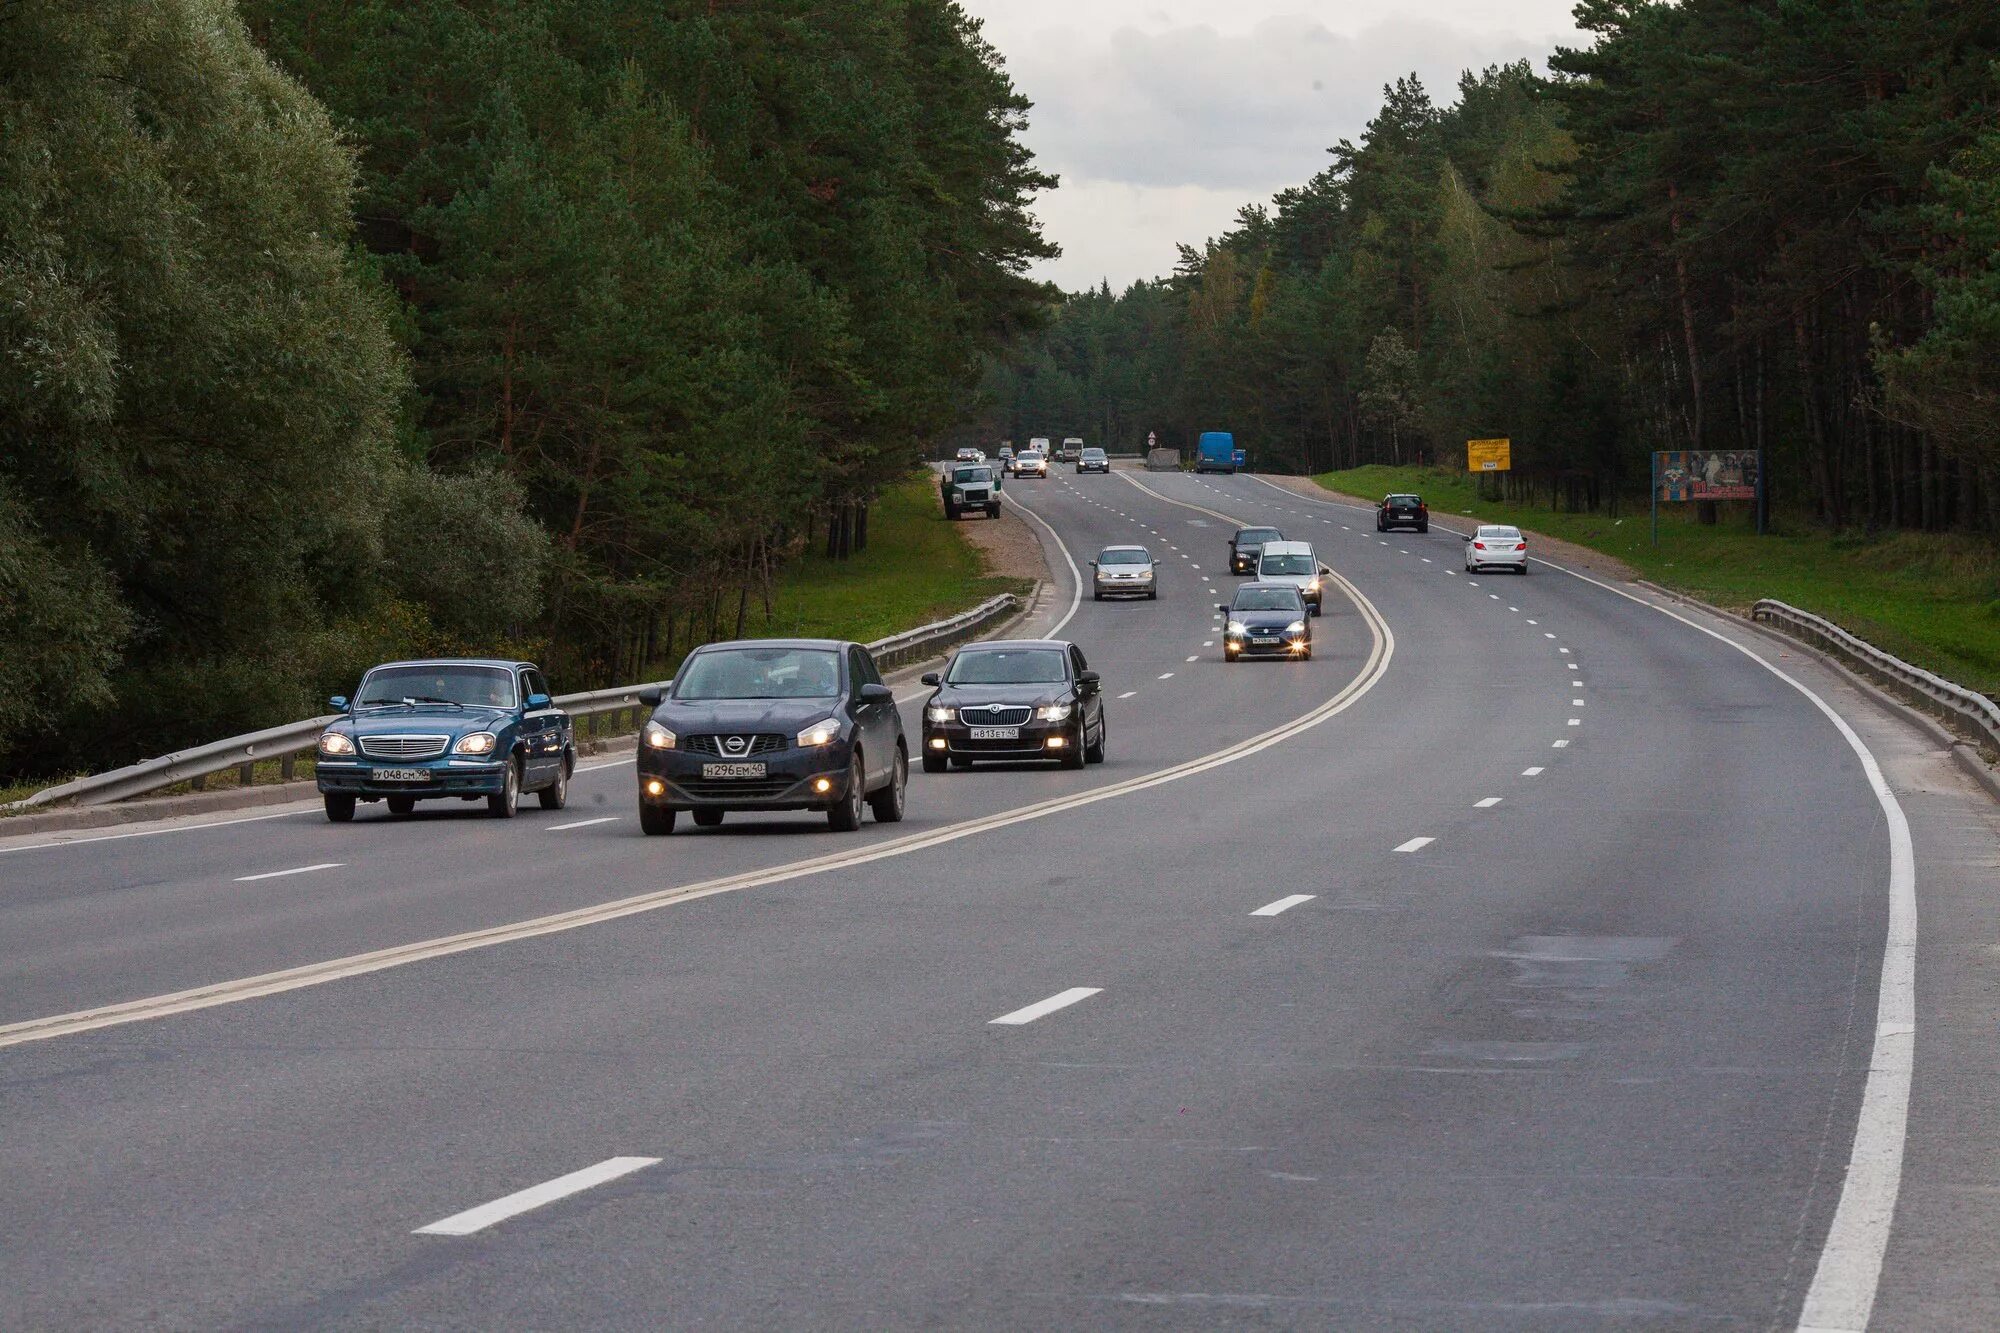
[1075, 574]
[1043, 1008]
[1284, 904]
[155, 832]
[522, 1201]
[295, 870]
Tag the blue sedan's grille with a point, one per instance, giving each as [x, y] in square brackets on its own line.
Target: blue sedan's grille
[403, 747]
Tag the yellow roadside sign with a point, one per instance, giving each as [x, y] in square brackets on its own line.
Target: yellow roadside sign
[1489, 455]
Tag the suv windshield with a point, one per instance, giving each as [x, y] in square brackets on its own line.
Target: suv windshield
[1124, 558]
[1268, 599]
[1008, 666]
[761, 673]
[470, 686]
[1285, 564]
[1258, 536]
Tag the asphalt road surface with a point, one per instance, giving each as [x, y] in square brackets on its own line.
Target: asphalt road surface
[1513, 964]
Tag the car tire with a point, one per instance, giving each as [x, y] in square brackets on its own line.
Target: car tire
[339, 807]
[1316, 608]
[1072, 756]
[1096, 596]
[1152, 594]
[992, 511]
[1423, 527]
[887, 805]
[401, 805]
[951, 513]
[1306, 656]
[708, 819]
[1522, 569]
[846, 816]
[655, 821]
[556, 795]
[1094, 754]
[506, 803]
[933, 763]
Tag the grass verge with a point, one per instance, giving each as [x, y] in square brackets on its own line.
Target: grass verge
[1930, 598]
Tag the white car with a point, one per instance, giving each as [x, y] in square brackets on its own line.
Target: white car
[1293, 563]
[1031, 464]
[1493, 546]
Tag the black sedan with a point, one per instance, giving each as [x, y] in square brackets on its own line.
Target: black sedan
[1266, 620]
[1402, 511]
[780, 724]
[1247, 545]
[1014, 699]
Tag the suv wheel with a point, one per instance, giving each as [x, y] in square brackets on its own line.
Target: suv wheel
[846, 816]
[504, 803]
[887, 804]
[339, 807]
[556, 795]
[656, 821]
[934, 761]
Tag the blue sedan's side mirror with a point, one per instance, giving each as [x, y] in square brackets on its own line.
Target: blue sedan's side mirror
[338, 703]
[537, 702]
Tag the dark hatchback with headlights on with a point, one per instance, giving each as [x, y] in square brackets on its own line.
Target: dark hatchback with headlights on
[1247, 545]
[773, 724]
[1014, 699]
[1266, 620]
[465, 729]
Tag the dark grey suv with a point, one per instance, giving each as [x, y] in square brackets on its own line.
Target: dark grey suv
[773, 724]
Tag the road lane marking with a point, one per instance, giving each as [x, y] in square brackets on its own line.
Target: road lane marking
[1382, 652]
[1043, 1008]
[1547, 635]
[582, 823]
[1486, 804]
[1075, 574]
[155, 832]
[513, 1205]
[1194, 659]
[1531, 772]
[1561, 745]
[1576, 703]
[295, 870]
[1167, 676]
[1284, 904]
[1206, 643]
[1576, 722]
[1128, 694]
[1416, 844]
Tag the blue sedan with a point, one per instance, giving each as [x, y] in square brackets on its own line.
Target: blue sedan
[457, 729]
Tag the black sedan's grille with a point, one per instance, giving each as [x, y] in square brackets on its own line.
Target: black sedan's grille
[994, 715]
[750, 747]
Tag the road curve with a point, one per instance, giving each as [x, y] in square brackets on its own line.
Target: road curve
[1531, 985]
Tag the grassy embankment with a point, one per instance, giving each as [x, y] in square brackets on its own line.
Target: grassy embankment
[917, 568]
[1931, 599]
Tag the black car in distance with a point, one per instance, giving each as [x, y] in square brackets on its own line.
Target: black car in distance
[773, 724]
[1402, 511]
[1014, 699]
[1266, 620]
[1247, 545]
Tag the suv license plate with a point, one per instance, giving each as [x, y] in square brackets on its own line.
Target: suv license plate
[732, 770]
[996, 733]
[401, 775]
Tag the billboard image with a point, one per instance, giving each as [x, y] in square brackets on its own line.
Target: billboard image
[1489, 455]
[1705, 474]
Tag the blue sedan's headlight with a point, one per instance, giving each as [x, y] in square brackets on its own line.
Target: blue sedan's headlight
[479, 742]
[335, 742]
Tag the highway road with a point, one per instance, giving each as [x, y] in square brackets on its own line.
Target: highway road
[1515, 963]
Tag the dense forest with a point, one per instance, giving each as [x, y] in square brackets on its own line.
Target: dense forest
[332, 331]
[1724, 224]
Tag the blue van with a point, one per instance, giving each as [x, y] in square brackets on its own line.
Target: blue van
[1217, 452]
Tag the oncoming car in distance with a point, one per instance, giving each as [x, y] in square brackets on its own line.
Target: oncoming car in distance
[971, 455]
[1492, 546]
[1092, 460]
[1014, 699]
[449, 729]
[1069, 449]
[778, 724]
[1266, 620]
[1402, 511]
[1124, 571]
[1245, 546]
[1294, 563]
[1031, 464]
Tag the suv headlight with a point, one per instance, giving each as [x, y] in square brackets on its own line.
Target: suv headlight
[659, 738]
[1054, 712]
[479, 742]
[937, 713]
[818, 734]
[335, 742]
[1235, 627]
[1296, 627]
[1313, 586]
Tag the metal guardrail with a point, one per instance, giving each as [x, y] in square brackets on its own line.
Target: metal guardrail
[286, 743]
[1978, 711]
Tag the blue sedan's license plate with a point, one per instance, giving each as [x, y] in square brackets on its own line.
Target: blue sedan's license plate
[401, 775]
[732, 770]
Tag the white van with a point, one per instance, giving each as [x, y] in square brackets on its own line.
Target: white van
[1293, 563]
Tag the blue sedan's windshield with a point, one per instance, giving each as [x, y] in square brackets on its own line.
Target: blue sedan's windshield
[761, 673]
[1268, 599]
[471, 686]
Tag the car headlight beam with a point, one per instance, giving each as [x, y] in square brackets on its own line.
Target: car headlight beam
[659, 738]
[335, 742]
[1054, 712]
[819, 734]
[1235, 627]
[938, 713]
[479, 742]
[1296, 627]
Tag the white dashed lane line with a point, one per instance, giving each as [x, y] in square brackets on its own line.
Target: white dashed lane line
[1486, 804]
[513, 1205]
[1531, 772]
[1283, 904]
[581, 823]
[1167, 675]
[1043, 1008]
[295, 870]
[1561, 745]
[1416, 844]
[1129, 694]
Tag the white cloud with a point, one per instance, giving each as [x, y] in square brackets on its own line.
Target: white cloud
[1164, 117]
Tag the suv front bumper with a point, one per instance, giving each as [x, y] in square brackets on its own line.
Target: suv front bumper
[794, 779]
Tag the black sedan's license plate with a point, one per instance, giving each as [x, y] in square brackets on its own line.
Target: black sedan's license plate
[401, 775]
[732, 770]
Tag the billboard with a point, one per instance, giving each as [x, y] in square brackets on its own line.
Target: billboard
[1705, 474]
[1489, 455]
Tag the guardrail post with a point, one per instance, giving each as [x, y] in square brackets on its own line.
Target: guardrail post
[288, 767]
[246, 774]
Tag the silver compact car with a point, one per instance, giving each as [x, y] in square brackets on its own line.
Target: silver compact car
[1124, 571]
[1495, 547]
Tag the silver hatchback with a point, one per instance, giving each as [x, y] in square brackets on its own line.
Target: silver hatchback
[1124, 571]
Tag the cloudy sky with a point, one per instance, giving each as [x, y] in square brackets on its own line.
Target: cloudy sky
[1163, 117]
